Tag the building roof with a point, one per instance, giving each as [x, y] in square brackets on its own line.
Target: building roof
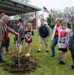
[15, 7]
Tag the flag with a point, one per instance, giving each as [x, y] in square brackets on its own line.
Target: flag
[45, 10]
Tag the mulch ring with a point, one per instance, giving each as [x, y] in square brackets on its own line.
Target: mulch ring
[22, 64]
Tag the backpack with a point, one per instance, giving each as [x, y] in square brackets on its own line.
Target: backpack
[43, 31]
[71, 42]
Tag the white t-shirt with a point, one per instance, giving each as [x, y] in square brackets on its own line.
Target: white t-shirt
[63, 37]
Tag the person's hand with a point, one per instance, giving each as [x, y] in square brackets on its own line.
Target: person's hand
[66, 46]
[28, 39]
[17, 34]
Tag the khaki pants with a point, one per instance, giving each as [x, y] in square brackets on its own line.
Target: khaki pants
[41, 39]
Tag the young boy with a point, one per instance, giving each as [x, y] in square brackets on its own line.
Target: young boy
[63, 41]
[19, 40]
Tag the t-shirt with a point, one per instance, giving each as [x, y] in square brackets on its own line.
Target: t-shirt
[20, 30]
[57, 29]
[29, 34]
[63, 37]
[7, 34]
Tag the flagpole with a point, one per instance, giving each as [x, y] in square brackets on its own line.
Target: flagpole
[43, 12]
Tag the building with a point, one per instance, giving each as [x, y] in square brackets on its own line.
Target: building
[15, 7]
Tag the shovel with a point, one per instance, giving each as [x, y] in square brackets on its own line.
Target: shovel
[19, 56]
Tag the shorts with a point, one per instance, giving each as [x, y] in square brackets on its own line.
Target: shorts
[18, 42]
[41, 39]
[63, 49]
[28, 41]
[6, 43]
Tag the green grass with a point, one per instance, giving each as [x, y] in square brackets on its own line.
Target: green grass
[49, 65]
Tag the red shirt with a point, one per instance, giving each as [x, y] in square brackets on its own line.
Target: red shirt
[7, 34]
[57, 28]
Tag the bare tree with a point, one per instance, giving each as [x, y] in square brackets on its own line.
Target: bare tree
[69, 13]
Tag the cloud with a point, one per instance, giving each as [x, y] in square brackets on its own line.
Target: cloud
[53, 4]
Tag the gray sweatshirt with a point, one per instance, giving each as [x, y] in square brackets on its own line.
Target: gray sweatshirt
[20, 30]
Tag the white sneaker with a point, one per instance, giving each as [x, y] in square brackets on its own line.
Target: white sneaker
[27, 55]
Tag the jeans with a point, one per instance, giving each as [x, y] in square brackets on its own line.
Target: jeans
[0, 53]
[72, 55]
[54, 43]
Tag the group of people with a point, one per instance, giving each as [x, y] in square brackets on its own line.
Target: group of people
[20, 34]
[3, 28]
[26, 34]
[62, 36]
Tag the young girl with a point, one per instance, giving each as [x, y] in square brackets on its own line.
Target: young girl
[63, 42]
[71, 44]
[28, 38]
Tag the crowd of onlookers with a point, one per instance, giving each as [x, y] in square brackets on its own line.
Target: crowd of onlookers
[62, 36]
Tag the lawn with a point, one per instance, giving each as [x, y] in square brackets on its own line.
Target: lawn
[49, 66]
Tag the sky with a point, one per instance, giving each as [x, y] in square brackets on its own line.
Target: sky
[53, 4]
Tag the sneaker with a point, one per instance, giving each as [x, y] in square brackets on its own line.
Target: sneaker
[72, 67]
[52, 56]
[27, 55]
[4, 53]
[9, 54]
[47, 50]
[39, 51]
[62, 63]
[3, 61]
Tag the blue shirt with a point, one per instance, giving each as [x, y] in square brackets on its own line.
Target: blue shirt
[3, 29]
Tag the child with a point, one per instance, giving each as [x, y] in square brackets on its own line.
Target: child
[71, 44]
[63, 41]
[19, 40]
[28, 38]
[6, 44]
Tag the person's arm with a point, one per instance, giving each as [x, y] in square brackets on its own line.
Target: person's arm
[48, 28]
[11, 30]
[53, 32]
[26, 35]
[39, 30]
[21, 32]
[30, 38]
[59, 36]
[32, 35]
[1, 37]
[67, 43]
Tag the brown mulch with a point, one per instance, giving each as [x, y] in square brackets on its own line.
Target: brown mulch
[27, 64]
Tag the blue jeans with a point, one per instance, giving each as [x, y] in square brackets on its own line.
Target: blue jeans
[0, 53]
[54, 43]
